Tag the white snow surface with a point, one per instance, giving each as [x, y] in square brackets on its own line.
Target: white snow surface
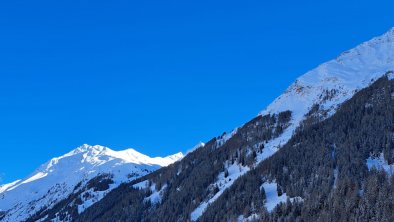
[253, 217]
[141, 185]
[198, 145]
[57, 178]
[90, 197]
[380, 163]
[156, 195]
[225, 137]
[272, 198]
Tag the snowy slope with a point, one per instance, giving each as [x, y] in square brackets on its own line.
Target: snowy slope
[336, 81]
[57, 178]
[333, 82]
[328, 86]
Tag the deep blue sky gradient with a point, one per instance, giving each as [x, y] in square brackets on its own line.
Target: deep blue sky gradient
[158, 76]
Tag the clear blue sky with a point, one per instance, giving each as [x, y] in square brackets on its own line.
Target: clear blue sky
[158, 76]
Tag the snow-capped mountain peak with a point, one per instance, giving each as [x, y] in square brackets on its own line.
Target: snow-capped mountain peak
[336, 81]
[56, 179]
[95, 154]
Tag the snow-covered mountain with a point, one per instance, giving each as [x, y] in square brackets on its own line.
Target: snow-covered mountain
[324, 89]
[64, 175]
[336, 81]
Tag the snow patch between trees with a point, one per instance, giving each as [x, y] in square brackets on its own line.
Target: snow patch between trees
[224, 181]
[272, 197]
[141, 185]
[156, 195]
[253, 217]
[225, 137]
[91, 197]
[380, 163]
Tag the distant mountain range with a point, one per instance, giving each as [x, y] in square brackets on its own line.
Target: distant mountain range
[71, 174]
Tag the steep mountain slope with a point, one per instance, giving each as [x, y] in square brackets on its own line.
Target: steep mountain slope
[70, 174]
[336, 81]
[187, 188]
[325, 172]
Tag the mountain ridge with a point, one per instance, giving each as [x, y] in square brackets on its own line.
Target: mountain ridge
[80, 165]
[351, 71]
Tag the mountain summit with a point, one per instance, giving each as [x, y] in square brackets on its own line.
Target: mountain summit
[333, 82]
[57, 179]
